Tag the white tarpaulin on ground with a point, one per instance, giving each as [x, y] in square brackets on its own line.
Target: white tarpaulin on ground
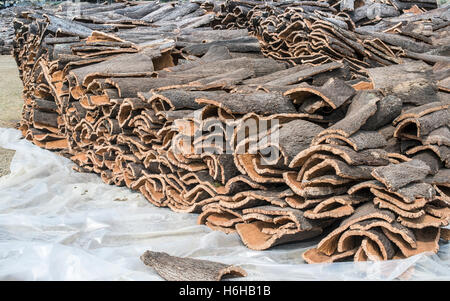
[58, 224]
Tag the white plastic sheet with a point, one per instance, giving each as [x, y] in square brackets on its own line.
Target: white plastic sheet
[57, 224]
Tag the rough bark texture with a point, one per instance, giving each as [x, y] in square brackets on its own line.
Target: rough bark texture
[174, 268]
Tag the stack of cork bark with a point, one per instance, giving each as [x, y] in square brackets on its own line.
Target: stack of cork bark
[157, 98]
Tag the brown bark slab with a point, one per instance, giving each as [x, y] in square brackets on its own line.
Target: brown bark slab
[173, 268]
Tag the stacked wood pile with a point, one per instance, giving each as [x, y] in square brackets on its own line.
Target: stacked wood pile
[357, 32]
[153, 98]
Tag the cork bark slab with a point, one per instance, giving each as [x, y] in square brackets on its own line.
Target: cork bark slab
[135, 64]
[351, 238]
[363, 106]
[260, 103]
[334, 93]
[396, 176]
[254, 238]
[221, 218]
[406, 234]
[335, 207]
[443, 152]
[341, 169]
[328, 245]
[440, 212]
[411, 197]
[359, 141]
[416, 128]
[253, 198]
[399, 211]
[388, 108]
[439, 136]
[445, 234]
[372, 157]
[174, 268]
[417, 112]
[422, 222]
[426, 241]
[315, 256]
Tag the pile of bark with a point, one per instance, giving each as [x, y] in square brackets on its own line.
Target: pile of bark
[364, 34]
[197, 119]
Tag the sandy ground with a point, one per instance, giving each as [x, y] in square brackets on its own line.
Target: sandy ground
[10, 92]
[10, 103]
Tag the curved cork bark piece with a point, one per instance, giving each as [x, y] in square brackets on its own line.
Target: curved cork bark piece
[416, 128]
[403, 72]
[178, 99]
[372, 157]
[388, 108]
[219, 218]
[174, 268]
[445, 234]
[363, 106]
[440, 212]
[286, 214]
[253, 237]
[299, 202]
[335, 207]
[405, 233]
[328, 244]
[263, 80]
[360, 254]
[326, 179]
[253, 198]
[359, 141]
[439, 136]
[396, 176]
[259, 103]
[339, 168]
[399, 200]
[371, 250]
[443, 152]
[315, 256]
[304, 74]
[125, 65]
[430, 158]
[422, 222]
[399, 211]
[427, 240]
[351, 238]
[411, 197]
[334, 93]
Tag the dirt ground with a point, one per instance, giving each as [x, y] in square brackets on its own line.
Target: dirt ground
[10, 104]
[10, 92]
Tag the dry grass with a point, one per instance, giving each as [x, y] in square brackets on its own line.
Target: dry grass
[10, 92]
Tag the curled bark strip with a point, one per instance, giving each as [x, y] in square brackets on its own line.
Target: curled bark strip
[422, 222]
[329, 244]
[359, 141]
[327, 93]
[174, 268]
[253, 236]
